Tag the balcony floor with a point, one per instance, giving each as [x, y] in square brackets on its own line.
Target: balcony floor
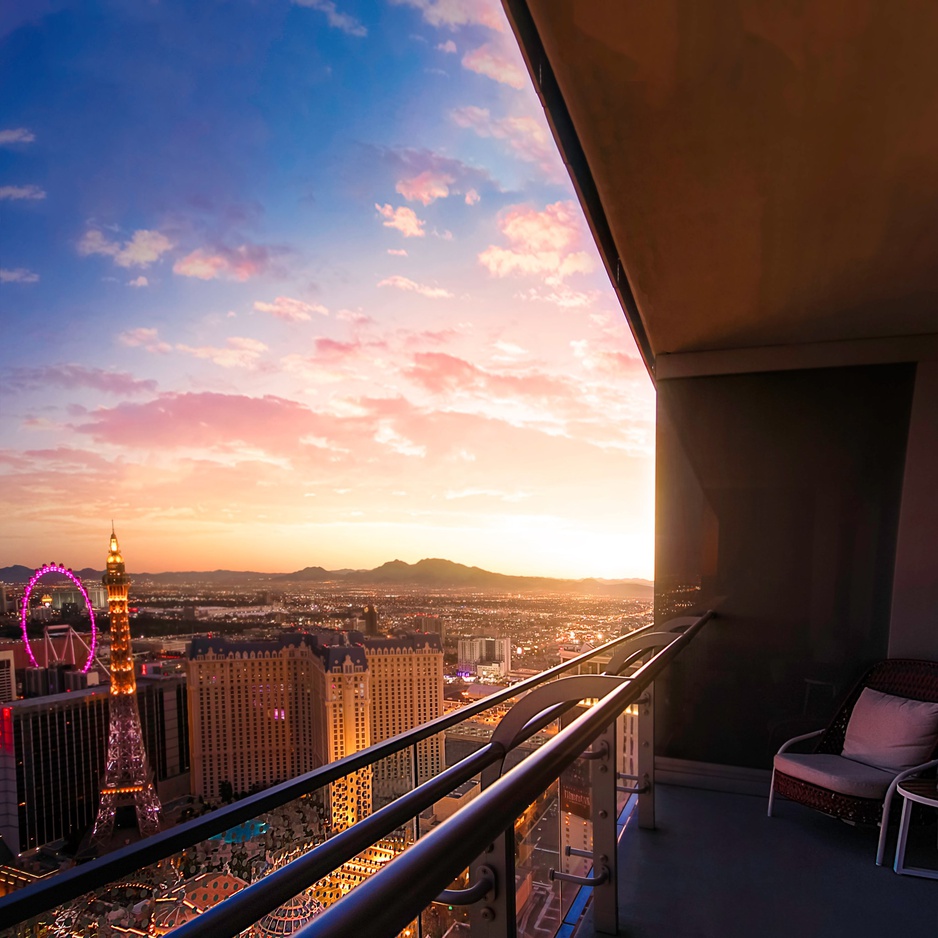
[717, 867]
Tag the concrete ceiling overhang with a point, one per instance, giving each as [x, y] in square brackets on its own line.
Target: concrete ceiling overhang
[756, 173]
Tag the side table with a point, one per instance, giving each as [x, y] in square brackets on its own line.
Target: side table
[923, 791]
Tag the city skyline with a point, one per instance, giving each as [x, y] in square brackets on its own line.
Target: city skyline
[305, 283]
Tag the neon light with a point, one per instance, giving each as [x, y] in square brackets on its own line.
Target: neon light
[24, 613]
[6, 731]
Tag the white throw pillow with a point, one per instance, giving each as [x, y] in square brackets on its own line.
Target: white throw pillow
[891, 732]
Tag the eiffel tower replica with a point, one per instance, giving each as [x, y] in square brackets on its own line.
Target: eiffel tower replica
[127, 790]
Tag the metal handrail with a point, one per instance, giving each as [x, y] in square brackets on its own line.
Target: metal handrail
[53, 891]
[395, 895]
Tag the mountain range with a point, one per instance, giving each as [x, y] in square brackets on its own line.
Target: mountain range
[431, 573]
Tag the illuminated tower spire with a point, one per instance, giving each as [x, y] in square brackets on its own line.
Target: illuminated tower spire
[128, 781]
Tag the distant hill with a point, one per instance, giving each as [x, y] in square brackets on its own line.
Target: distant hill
[430, 573]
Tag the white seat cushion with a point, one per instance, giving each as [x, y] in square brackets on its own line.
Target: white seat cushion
[836, 773]
[891, 732]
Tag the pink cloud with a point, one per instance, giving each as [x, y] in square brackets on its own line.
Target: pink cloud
[73, 377]
[496, 64]
[238, 352]
[456, 13]
[472, 197]
[405, 283]
[425, 175]
[355, 316]
[201, 265]
[203, 419]
[542, 243]
[526, 137]
[239, 263]
[401, 219]
[18, 275]
[145, 247]
[16, 135]
[18, 193]
[604, 360]
[143, 338]
[397, 252]
[561, 296]
[442, 373]
[140, 281]
[290, 310]
[335, 18]
[448, 47]
[426, 187]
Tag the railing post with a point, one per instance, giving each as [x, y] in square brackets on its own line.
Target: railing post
[603, 779]
[646, 759]
[495, 916]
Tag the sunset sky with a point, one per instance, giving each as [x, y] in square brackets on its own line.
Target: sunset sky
[290, 284]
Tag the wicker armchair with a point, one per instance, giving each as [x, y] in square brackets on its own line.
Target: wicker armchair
[848, 788]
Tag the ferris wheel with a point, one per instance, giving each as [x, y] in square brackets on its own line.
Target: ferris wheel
[52, 632]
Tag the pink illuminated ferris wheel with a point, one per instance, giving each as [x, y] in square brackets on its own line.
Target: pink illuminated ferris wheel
[24, 612]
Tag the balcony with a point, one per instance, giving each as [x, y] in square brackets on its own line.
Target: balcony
[609, 851]
[762, 209]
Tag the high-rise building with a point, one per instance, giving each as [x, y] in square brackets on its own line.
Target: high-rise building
[7, 676]
[255, 712]
[262, 712]
[53, 751]
[127, 785]
[164, 717]
[406, 690]
[370, 613]
[435, 624]
[482, 650]
[348, 712]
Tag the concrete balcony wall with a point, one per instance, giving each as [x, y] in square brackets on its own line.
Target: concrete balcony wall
[778, 501]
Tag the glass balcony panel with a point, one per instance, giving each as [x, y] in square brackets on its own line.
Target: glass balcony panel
[537, 852]
[441, 920]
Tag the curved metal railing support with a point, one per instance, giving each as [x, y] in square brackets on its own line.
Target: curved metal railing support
[562, 694]
[482, 887]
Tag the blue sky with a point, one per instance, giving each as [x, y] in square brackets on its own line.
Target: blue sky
[303, 283]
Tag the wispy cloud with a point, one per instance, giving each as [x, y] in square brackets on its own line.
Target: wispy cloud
[424, 175]
[74, 376]
[525, 136]
[397, 252]
[448, 47]
[425, 187]
[18, 275]
[291, 310]
[388, 436]
[405, 283]
[145, 338]
[455, 13]
[547, 243]
[238, 263]
[238, 352]
[140, 281]
[19, 193]
[16, 135]
[337, 20]
[497, 64]
[144, 248]
[402, 219]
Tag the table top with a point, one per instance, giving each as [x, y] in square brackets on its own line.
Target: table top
[922, 790]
